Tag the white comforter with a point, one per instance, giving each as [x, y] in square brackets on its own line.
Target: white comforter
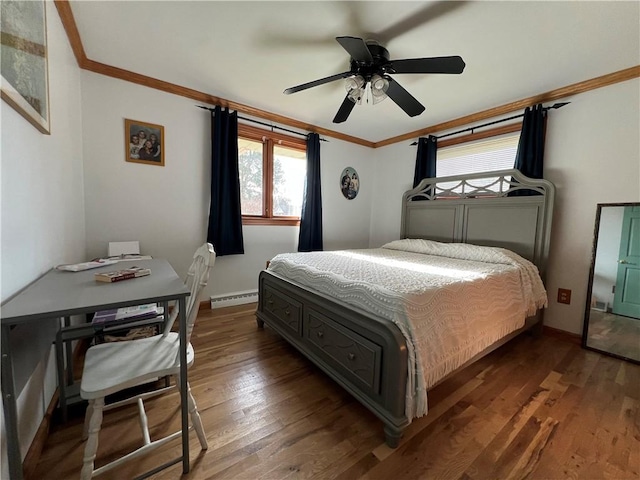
[450, 301]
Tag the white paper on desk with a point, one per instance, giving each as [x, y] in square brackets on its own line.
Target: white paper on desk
[124, 248]
[79, 267]
[129, 258]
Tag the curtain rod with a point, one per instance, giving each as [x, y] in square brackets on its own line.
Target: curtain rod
[471, 129]
[265, 124]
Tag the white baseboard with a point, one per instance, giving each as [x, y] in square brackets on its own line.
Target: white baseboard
[235, 298]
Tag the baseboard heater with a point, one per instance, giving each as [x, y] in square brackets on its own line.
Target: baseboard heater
[236, 298]
[600, 306]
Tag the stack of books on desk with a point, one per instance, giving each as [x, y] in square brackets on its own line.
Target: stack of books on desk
[125, 274]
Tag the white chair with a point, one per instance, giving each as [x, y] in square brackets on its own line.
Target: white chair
[68, 333]
[113, 367]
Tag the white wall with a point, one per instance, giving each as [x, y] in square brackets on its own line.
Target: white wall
[592, 155]
[395, 166]
[166, 208]
[162, 207]
[42, 206]
[346, 223]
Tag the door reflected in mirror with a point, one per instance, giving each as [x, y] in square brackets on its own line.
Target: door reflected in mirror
[612, 312]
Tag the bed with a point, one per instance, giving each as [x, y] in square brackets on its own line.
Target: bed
[371, 320]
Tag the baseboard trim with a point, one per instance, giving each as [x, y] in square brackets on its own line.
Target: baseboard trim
[562, 335]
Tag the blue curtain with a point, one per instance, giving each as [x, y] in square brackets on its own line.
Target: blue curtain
[530, 154]
[225, 216]
[310, 237]
[425, 159]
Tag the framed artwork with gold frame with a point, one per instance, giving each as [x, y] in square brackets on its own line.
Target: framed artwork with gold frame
[144, 142]
[24, 80]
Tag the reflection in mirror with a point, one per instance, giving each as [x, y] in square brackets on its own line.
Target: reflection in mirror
[612, 313]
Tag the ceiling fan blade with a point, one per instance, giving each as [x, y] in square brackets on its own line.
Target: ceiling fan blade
[453, 64]
[428, 13]
[315, 83]
[403, 99]
[344, 110]
[357, 48]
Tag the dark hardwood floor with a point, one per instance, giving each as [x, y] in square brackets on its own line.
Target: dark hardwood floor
[535, 408]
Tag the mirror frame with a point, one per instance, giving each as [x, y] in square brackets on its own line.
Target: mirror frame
[587, 307]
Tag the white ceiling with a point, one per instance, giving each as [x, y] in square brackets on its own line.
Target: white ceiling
[249, 52]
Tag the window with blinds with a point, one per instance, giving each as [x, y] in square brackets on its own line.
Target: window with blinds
[486, 155]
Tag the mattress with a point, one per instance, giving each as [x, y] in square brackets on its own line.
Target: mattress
[449, 300]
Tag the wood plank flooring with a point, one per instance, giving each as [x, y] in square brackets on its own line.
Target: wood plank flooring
[535, 408]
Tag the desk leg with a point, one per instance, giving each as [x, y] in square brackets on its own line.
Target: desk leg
[10, 408]
[184, 404]
[165, 306]
[68, 350]
[62, 384]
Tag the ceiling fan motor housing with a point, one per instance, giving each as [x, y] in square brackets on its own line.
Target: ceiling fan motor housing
[379, 65]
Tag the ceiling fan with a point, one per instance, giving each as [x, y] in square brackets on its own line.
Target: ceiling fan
[370, 66]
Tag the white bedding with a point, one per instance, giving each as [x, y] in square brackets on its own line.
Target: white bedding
[450, 301]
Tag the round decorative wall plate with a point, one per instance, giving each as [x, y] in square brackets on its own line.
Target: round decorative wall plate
[349, 183]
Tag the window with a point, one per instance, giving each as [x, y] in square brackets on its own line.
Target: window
[273, 169]
[495, 153]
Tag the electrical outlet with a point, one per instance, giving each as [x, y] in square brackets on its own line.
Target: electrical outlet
[564, 295]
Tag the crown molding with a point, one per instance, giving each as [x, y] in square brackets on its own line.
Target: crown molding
[519, 105]
[71, 28]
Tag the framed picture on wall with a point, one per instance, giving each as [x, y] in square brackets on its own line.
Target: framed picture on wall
[349, 183]
[25, 80]
[144, 142]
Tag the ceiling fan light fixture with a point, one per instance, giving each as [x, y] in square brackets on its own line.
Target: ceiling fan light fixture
[354, 82]
[356, 95]
[379, 86]
[355, 88]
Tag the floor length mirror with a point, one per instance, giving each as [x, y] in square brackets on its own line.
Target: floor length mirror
[612, 312]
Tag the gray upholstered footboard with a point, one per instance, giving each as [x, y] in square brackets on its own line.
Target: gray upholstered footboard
[365, 354]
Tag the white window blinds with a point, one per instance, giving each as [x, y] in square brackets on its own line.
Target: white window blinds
[495, 153]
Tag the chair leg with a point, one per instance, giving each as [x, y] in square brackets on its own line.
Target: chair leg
[87, 417]
[196, 421]
[93, 427]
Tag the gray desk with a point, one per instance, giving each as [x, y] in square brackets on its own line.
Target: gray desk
[59, 294]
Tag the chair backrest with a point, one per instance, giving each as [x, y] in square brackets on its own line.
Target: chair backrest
[197, 278]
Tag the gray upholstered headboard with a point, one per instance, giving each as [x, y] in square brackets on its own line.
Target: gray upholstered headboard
[482, 209]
